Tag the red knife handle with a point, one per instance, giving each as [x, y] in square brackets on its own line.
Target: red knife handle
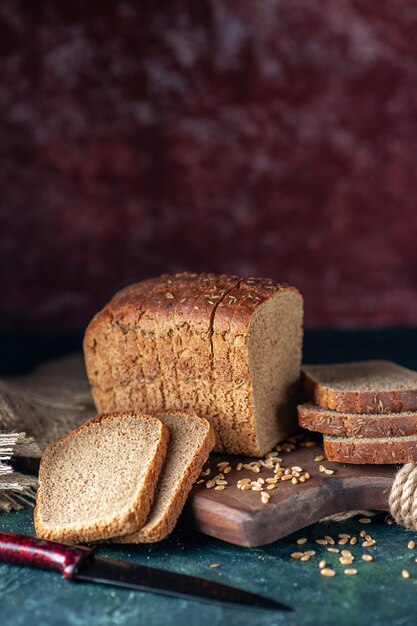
[25, 550]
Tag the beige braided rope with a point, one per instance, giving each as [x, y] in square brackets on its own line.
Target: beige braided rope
[403, 497]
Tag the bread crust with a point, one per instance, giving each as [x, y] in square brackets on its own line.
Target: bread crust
[131, 518]
[346, 401]
[195, 311]
[371, 451]
[158, 532]
[338, 424]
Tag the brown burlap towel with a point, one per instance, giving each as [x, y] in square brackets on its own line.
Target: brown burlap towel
[34, 411]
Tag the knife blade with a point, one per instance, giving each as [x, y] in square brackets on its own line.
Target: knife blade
[79, 563]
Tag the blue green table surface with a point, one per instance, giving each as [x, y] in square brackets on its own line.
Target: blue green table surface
[376, 595]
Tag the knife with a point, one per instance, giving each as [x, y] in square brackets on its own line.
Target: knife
[80, 563]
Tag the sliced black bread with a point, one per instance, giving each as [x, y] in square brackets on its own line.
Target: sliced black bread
[377, 425]
[99, 481]
[392, 450]
[228, 347]
[361, 387]
[191, 441]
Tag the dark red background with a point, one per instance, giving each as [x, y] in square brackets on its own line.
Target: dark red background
[254, 137]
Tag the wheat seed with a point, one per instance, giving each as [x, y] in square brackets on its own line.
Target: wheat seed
[411, 545]
[351, 572]
[326, 571]
[367, 557]
[405, 573]
[272, 455]
[302, 541]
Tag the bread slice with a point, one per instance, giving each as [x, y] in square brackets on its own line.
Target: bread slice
[99, 481]
[377, 425]
[191, 440]
[392, 450]
[361, 387]
[226, 347]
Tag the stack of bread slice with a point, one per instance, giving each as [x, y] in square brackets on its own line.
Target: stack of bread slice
[366, 411]
[121, 476]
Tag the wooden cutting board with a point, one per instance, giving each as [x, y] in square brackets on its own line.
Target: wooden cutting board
[55, 398]
[241, 518]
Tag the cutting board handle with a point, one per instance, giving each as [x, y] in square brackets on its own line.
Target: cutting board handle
[24, 550]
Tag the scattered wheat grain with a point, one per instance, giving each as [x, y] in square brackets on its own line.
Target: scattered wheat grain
[326, 571]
